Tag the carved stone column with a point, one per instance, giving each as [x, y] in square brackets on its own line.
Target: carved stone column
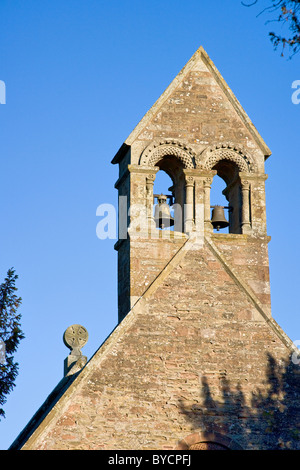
[189, 204]
[207, 217]
[245, 222]
[149, 200]
[203, 180]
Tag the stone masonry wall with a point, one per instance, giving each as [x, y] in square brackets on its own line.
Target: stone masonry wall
[249, 257]
[198, 113]
[196, 357]
[140, 262]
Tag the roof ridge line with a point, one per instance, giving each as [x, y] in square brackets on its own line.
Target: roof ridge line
[202, 55]
[105, 348]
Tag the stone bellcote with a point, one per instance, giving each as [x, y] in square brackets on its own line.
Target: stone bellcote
[196, 130]
[196, 361]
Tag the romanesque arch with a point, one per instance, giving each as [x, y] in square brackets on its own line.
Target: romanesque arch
[207, 441]
[232, 163]
[168, 148]
[174, 158]
[228, 151]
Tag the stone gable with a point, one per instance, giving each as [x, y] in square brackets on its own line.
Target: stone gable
[192, 355]
[196, 361]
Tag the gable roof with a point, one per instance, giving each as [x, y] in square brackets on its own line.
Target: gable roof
[199, 56]
[55, 404]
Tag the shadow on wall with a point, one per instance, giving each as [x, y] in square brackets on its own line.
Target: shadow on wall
[270, 421]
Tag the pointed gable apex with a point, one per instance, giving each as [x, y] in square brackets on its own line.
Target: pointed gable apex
[199, 56]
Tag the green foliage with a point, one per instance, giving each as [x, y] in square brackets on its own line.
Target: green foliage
[287, 15]
[10, 335]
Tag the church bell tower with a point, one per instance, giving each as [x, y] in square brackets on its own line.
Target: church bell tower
[196, 361]
[196, 131]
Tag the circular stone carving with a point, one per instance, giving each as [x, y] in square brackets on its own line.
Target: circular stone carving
[157, 150]
[227, 151]
[75, 337]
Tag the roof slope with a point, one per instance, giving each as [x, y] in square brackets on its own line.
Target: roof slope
[132, 367]
[199, 58]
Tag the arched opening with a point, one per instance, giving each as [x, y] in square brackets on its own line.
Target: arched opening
[170, 182]
[207, 441]
[206, 445]
[163, 183]
[163, 186]
[228, 173]
[217, 198]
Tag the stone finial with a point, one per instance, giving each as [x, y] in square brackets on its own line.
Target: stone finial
[75, 337]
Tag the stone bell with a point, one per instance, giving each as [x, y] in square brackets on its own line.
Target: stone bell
[218, 219]
[162, 215]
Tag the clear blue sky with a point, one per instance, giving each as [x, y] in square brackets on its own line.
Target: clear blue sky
[79, 76]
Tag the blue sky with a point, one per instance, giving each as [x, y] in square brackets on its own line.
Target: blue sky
[79, 76]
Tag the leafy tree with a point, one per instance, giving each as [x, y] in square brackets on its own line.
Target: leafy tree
[287, 14]
[10, 335]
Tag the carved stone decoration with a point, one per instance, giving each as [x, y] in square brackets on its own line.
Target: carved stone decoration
[75, 337]
[226, 151]
[169, 147]
[207, 182]
[150, 182]
[189, 181]
[245, 185]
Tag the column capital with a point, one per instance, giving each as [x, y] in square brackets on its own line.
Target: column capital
[245, 184]
[189, 180]
[150, 177]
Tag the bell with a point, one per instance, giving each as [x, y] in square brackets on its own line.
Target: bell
[162, 214]
[218, 219]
